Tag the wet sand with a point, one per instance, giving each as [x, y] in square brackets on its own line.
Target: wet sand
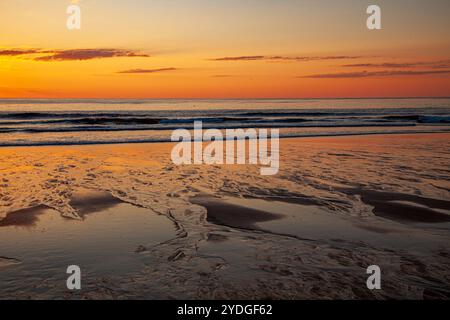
[406, 207]
[141, 227]
[104, 242]
[311, 222]
[233, 215]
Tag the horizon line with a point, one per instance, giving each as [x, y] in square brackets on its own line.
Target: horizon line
[241, 98]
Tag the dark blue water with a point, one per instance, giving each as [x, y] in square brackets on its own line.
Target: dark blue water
[37, 122]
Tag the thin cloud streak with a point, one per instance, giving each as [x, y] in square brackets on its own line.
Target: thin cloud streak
[367, 74]
[131, 71]
[221, 76]
[442, 64]
[239, 58]
[283, 58]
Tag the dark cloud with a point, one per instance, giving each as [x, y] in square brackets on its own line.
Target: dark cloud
[147, 70]
[283, 58]
[88, 54]
[18, 52]
[367, 74]
[72, 54]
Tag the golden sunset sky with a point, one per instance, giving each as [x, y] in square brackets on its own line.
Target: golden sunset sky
[224, 49]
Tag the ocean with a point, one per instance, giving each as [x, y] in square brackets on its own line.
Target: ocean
[99, 121]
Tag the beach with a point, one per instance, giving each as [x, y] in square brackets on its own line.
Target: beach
[214, 158]
[141, 227]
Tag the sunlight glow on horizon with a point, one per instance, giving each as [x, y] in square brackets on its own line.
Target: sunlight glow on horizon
[224, 49]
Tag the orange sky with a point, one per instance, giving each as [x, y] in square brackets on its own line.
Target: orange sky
[224, 49]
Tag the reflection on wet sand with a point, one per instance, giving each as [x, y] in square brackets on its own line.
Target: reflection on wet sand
[406, 207]
[104, 244]
[233, 215]
[337, 206]
[309, 222]
[23, 218]
[84, 202]
[88, 202]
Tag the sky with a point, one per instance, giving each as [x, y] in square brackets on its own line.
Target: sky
[224, 49]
